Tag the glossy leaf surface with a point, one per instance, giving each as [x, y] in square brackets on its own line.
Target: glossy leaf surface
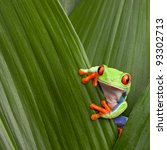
[43, 104]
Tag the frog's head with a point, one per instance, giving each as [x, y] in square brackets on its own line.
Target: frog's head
[112, 81]
[114, 78]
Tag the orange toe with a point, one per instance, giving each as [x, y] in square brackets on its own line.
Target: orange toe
[85, 80]
[92, 106]
[81, 72]
[104, 104]
[100, 109]
[120, 131]
[95, 116]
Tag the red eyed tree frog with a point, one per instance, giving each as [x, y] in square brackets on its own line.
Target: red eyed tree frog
[115, 85]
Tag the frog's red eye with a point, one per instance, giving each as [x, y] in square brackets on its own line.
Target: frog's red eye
[126, 79]
[100, 70]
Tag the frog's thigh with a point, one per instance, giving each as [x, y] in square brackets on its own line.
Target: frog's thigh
[120, 121]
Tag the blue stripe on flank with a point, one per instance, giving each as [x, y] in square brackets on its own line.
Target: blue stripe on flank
[122, 99]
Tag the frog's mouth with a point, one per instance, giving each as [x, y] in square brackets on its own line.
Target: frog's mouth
[111, 93]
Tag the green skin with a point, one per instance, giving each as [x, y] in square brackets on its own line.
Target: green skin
[112, 78]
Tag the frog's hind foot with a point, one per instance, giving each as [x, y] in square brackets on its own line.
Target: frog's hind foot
[119, 131]
[120, 121]
[100, 109]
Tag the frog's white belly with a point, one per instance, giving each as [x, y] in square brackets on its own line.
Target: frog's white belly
[112, 103]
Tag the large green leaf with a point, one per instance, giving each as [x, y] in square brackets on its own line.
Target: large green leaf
[116, 33]
[43, 105]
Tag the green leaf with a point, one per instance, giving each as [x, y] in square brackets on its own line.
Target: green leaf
[68, 5]
[43, 104]
[136, 135]
[116, 33]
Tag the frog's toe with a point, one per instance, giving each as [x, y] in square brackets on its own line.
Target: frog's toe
[119, 130]
[106, 107]
[95, 116]
[83, 71]
[92, 106]
[85, 80]
[100, 109]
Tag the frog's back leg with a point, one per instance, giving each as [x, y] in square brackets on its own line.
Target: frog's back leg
[120, 121]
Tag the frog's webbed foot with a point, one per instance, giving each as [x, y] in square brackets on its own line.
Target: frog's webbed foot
[90, 76]
[102, 110]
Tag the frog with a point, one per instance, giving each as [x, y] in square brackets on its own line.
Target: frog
[115, 85]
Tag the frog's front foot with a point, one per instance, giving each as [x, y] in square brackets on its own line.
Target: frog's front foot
[90, 76]
[102, 110]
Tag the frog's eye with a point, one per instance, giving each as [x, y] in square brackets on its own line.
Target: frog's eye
[100, 70]
[126, 79]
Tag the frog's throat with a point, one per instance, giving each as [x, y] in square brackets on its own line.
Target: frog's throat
[111, 93]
